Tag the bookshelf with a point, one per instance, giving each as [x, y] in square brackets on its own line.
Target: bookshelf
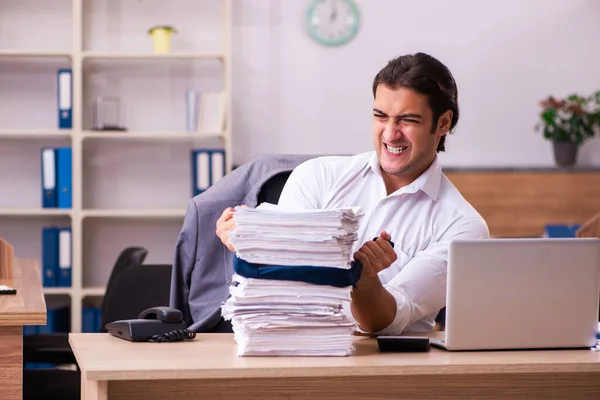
[130, 188]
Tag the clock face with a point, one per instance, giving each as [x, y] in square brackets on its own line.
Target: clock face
[333, 22]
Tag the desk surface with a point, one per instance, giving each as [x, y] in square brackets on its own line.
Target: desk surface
[213, 356]
[27, 306]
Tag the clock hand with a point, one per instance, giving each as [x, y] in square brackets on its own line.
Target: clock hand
[333, 15]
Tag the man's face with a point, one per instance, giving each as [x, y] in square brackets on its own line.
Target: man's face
[402, 133]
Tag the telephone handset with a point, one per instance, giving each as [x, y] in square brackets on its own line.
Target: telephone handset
[156, 324]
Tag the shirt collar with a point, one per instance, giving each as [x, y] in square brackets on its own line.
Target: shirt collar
[428, 182]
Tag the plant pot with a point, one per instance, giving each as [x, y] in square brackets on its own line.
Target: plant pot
[161, 39]
[565, 153]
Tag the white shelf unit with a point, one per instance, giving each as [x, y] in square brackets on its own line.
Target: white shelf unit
[129, 188]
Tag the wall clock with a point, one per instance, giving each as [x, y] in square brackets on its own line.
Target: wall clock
[332, 22]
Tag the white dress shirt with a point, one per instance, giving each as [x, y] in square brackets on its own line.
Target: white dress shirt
[422, 218]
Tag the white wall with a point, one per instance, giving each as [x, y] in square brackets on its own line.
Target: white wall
[292, 95]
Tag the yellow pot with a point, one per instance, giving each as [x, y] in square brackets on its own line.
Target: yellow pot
[161, 39]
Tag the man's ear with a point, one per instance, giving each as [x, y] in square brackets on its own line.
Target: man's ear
[444, 122]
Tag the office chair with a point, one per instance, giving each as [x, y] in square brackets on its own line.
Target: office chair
[52, 383]
[129, 257]
[271, 189]
[136, 289]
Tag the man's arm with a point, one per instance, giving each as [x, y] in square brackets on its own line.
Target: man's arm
[418, 291]
[372, 306]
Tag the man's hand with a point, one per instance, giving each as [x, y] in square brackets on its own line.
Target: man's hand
[372, 306]
[225, 224]
[376, 255]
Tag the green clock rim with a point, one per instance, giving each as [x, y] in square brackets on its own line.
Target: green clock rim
[333, 42]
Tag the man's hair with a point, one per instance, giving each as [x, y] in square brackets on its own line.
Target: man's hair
[425, 75]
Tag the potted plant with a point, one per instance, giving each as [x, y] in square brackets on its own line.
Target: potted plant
[568, 123]
[161, 37]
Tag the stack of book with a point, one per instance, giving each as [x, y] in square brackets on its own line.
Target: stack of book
[292, 277]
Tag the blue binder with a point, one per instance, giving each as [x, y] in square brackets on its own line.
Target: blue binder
[50, 256]
[64, 257]
[92, 319]
[65, 98]
[48, 167]
[560, 231]
[30, 330]
[57, 319]
[88, 322]
[64, 177]
[97, 319]
[217, 165]
[201, 171]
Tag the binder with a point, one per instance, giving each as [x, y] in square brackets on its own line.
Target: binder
[97, 319]
[92, 319]
[65, 98]
[29, 330]
[64, 257]
[88, 322]
[217, 166]
[48, 178]
[64, 177]
[200, 171]
[50, 256]
[560, 231]
[58, 317]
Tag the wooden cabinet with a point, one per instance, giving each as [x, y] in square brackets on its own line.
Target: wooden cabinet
[520, 202]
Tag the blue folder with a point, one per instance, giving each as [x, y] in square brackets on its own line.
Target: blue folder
[88, 322]
[64, 257]
[208, 167]
[92, 319]
[50, 256]
[57, 320]
[64, 177]
[217, 165]
[48, 169]
[64, 97]
[201, 171]
[560, 231]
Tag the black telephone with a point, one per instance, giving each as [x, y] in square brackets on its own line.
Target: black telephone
[156, 324]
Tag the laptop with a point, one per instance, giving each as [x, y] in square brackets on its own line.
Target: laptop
[529, 293]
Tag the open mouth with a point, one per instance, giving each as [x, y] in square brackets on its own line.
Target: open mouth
[396, 150]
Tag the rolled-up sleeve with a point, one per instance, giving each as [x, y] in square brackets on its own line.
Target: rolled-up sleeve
[420, 287]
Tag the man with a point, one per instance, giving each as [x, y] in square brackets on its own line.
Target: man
[404, 194]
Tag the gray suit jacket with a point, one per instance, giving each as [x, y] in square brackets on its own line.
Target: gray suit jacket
[202, 267]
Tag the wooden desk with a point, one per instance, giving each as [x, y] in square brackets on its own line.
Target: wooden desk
[209, 368]
[27, 307]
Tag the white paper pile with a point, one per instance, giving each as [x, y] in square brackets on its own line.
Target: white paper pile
[289, 318]
[270, 235]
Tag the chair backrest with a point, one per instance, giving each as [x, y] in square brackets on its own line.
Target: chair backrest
[129, 256]
[271, 189]
[136, 289]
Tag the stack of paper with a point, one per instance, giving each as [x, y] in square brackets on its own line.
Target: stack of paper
[269, 235]
[290, 318]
